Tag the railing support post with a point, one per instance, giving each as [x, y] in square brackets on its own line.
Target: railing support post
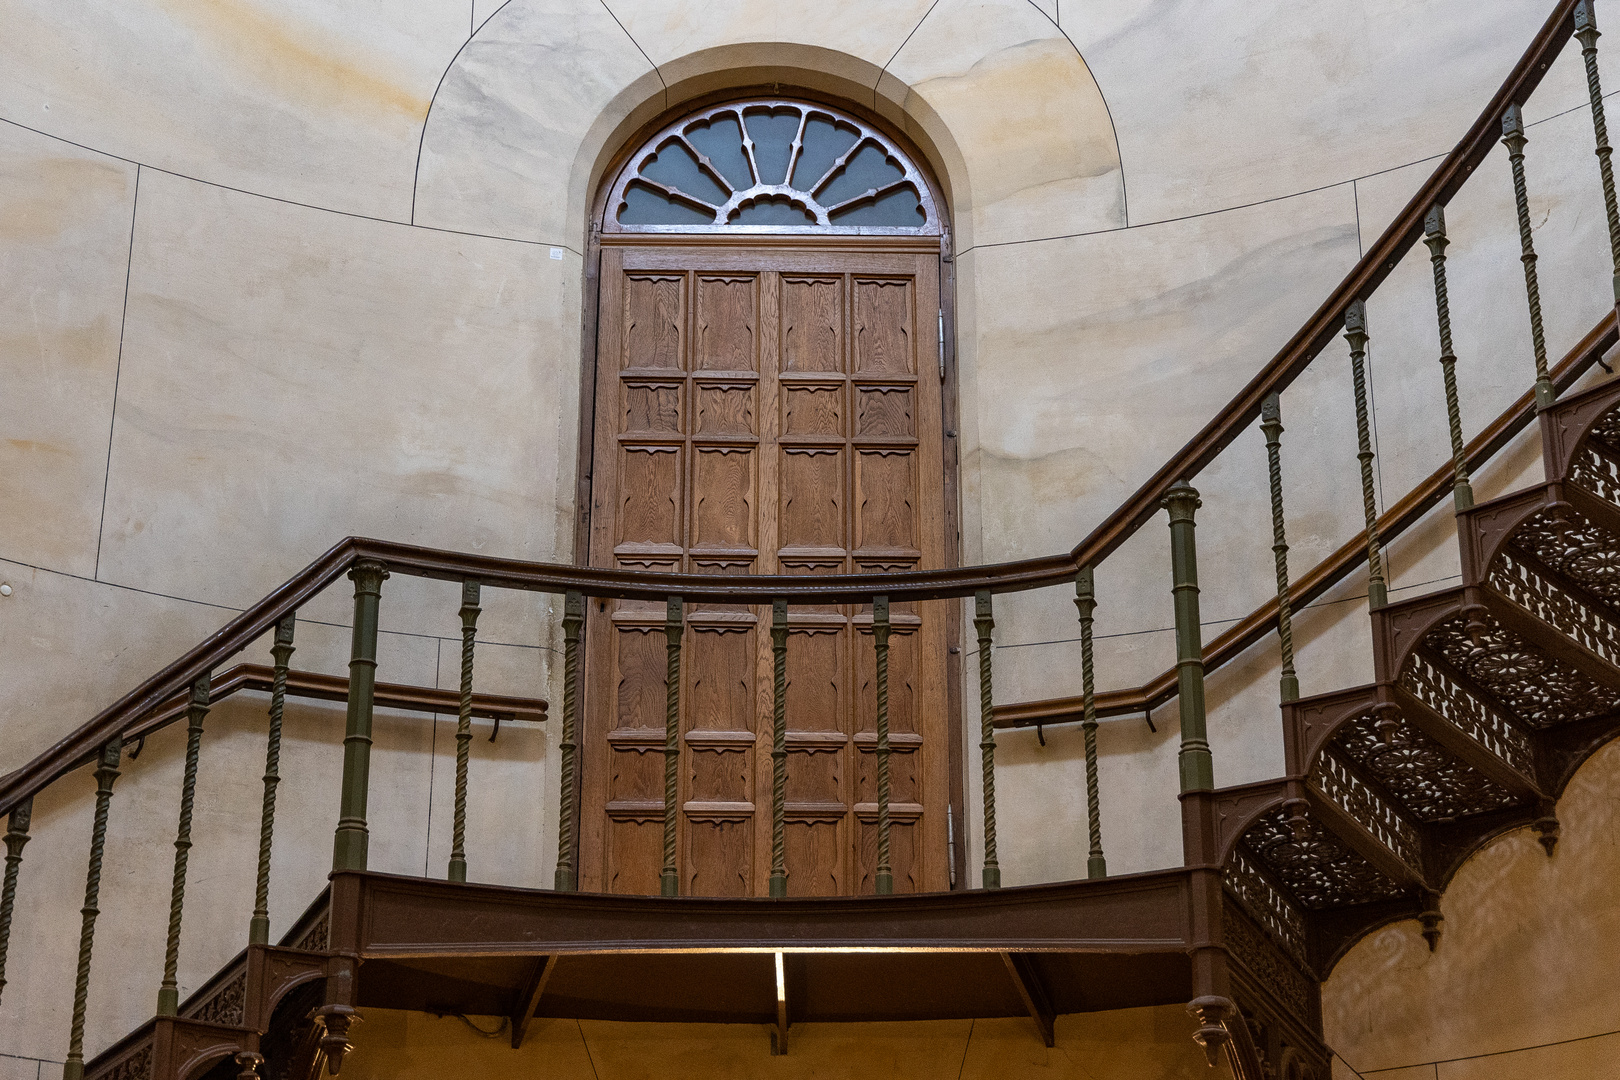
[1355, 332]
[349, 846]
[281, 651]
[469, 630]
[1513, 138]
[1271, 424]
[106, 774]
[984, 621]
[779, 636]
[1085, 599]
[1197, 766]
[168, 1002]
[669, 882]
[573, 619]
[1434, 235]
[1586, 30]
[883, 878]
[16, 837]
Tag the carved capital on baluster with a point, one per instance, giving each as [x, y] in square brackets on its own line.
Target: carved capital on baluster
[250, 1063]
[1513, 136]
[336, 1019]
[368, 576]
[1211, 1013]
[1182, 501]
[1355, 325]
[1434, 230]
[1586, 24]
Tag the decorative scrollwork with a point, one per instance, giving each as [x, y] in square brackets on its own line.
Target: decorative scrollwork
[1319, 870]
[1255, 951]
[1369, 810]
[315, 939]
[1597, 473]
[1521, 583]
[1439, 691]
[1430, 782]
[227, 1005]
[1274, 911]
[1526, 682]
[1577, 548]
[134, 1066]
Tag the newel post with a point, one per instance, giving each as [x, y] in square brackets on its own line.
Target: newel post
[350, 844]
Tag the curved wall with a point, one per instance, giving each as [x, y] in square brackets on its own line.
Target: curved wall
[271, 274]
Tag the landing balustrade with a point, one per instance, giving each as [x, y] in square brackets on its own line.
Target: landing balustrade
[1328, 793]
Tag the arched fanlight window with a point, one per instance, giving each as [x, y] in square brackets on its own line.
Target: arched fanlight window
[771, 166]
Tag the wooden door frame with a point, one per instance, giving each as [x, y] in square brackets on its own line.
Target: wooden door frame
[950, 396]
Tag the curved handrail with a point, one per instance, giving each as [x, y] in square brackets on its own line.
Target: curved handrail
[1380, 259]
[1336, 567]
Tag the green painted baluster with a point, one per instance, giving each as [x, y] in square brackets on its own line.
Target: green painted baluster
[779, 636]
[16, 837]
[1355, 332]
[282, 650]
[1434, 235]
[1514, 138]
[350, 843]
[883, 879]
[1085, 598]
[469, 627]
[1586, 30]
[984, 621]
[573, 619]
[1271, 424]
[168, 1002]
[1197, 767]
[106, 773]
[669, 881]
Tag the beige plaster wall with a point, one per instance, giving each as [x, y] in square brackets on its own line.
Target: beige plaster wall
[275, 274]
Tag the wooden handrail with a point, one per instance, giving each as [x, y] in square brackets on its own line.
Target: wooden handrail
[309, 684]
[1335, 568]
[1381, 258]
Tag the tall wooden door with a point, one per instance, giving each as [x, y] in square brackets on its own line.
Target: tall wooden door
[764, 410]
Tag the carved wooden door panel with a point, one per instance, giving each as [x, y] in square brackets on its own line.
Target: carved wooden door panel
[765, 410]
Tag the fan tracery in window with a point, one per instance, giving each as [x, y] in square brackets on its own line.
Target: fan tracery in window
[771, 166]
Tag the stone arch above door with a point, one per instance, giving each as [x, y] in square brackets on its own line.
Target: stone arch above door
[527, 119]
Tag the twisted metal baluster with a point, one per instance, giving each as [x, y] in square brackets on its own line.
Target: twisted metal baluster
[883, 879]
[1434, 235]
[1271, 424]
[196, 712]
[984, 621]
[1513, 138]
[106, 773]
[1085, 598]
[16, 837]
[669, 879]
[1586, 30]
[469, 628]
[282, 650]
[779, 636]
[573, 619]
[1355, 332]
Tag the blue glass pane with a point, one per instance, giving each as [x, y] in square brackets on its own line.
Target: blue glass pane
[824, 143]
[898, 209]
[721, 140]
[869, 168]
[773, 142]
[772, 212]
[643, 206]
[674, 165]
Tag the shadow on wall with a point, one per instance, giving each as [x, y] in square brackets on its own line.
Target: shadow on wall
[1527, 942]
